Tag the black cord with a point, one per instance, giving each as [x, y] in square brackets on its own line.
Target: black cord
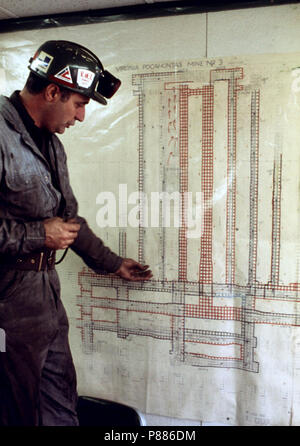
[62, 257]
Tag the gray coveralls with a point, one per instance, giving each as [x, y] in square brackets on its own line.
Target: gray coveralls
[37, 375]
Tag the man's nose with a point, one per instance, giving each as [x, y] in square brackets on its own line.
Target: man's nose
[80, 114]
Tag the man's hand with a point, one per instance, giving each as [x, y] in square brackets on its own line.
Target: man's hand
[133, 271]
[60, 234]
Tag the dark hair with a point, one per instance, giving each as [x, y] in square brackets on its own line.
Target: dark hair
[36, 84]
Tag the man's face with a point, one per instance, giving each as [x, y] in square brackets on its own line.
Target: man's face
[64, 113]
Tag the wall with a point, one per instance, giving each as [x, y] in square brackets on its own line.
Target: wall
[249, 32]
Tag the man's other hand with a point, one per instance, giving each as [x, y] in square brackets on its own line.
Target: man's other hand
[60, 234]
[133, 271]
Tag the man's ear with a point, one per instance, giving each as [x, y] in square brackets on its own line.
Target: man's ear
[52, 93]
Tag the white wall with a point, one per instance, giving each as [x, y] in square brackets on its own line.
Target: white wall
[266, 30]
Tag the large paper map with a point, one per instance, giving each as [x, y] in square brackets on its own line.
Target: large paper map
[201, 181]
[194, 169]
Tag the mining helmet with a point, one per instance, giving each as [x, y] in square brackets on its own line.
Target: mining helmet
[74, 67]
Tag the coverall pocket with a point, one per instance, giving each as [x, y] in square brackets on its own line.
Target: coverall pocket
[17, 182]
[21, 191]
[10, 281]
[28, 196]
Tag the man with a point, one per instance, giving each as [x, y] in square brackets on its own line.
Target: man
[38, 216]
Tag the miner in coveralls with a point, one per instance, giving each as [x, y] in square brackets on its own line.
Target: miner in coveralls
[38, 216]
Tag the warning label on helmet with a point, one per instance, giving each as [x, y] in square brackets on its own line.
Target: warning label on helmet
[65, 75]
[85, 78]
[42, 62]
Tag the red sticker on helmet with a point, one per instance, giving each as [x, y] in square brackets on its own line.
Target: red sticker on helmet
[65, 75]
[85, 78]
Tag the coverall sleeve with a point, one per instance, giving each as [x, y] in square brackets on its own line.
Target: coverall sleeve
[18, 237]
[93, 252]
